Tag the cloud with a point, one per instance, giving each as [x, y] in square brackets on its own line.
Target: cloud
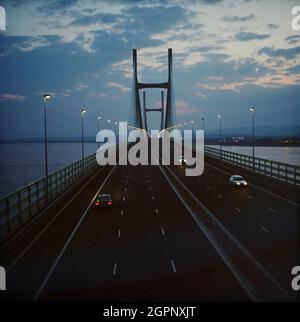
[192, 59]
[56, 5]
[105, 18]
[265, 81]
[200, 95]
[77, 88]
[26, 43]
[98, 95]
[66, 92]
[247, 36]
[182, 107]
[238, 18]
[234, 86]
[211, 1]
[288, 53]
[155, 19]
[11, 97]
[293, 39]
[273, 26]
[102, 96]
[122, 88]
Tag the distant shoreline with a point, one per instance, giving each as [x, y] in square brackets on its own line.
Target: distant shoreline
[208, 142]
[257, 144]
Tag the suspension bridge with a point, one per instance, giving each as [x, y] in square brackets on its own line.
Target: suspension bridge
[167, 236]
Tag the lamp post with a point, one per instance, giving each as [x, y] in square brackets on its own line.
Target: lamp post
[192, 122]
[202, 119]
[83, 111]
[108, 123]
[98, 127]
[220, 118]
[45, 98]
[252, 110]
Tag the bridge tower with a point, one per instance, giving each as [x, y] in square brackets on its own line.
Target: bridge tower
[166, 121]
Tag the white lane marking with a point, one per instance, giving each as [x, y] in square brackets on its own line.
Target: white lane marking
[150, 188]
[238, 209]
[156, 210]
[273, 210]
[152, 197]
[163, 231]
[124, 198]
[119, 233]
[125, 189]
[220, 196]
[173, 266]
[61, 253]
[265, 229]
[257, 187]
[25, 250]
[115, 269]
[122, 212]
[249, 197]
[207, 187]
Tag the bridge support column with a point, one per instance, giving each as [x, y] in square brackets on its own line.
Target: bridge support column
[167, 117]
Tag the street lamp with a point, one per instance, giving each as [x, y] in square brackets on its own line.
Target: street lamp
[220, 117]
[108, 122]
[83, 111]
[202, 119]
[98, 126]
[252, 110]
[45, 98]
[192, 122]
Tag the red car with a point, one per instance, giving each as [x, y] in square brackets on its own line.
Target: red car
[103, 200]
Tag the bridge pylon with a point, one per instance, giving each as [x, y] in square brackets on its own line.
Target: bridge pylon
[166, 113]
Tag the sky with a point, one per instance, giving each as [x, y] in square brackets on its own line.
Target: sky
[228, 56]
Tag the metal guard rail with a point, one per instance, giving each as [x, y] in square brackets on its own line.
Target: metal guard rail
[281, 171]
[25, 203]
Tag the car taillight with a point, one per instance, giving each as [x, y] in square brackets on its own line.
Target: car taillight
[109, 203]
[97, 203]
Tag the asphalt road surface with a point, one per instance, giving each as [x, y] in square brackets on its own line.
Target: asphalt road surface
[147, 247]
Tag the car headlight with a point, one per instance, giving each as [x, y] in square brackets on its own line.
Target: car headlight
[238, 183]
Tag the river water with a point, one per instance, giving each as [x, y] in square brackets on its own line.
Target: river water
[23, 163]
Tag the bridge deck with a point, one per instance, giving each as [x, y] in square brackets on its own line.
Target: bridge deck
[148, 247]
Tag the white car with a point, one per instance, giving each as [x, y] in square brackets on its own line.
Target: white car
[238, 181]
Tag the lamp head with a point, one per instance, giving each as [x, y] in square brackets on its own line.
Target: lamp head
[46, 96]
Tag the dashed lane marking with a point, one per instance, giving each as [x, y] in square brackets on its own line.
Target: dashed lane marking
[173, 266]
